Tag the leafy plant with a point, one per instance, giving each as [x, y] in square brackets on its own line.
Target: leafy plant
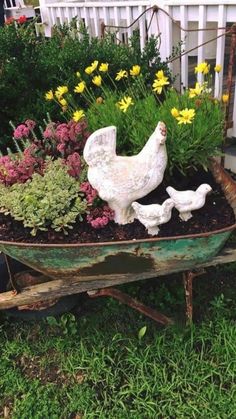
[53, 200]
[192, 138]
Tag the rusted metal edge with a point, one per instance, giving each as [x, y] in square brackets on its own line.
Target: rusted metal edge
[120, 242]
[227, 183]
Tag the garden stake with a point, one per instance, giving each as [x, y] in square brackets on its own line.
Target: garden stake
[133, 303]
[188, 289]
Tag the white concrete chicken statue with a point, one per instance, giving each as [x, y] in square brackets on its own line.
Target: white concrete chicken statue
[151, 216]
[187, 201]
[120, 180]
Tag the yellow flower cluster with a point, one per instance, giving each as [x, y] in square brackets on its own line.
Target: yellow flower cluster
[185, 116]
[58, 96]
[160, 81]
[92, 67]
[204, 68]
[134, 72]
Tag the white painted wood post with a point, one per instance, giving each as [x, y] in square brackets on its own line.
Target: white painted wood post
[184, 40]
[220, 50]
[201, 39]
[47, 20]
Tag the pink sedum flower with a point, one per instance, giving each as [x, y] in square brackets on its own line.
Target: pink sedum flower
[62, 133]
[8, 170]
[90, 193]
[99, 217]
[49, 132]
[22, 131]
[73, 163]
[30, 124]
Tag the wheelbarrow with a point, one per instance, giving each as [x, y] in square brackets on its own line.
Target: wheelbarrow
[96, 268]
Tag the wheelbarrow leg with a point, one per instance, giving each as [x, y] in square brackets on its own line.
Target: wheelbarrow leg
[131, 302]
[11, 277]
[188, 289]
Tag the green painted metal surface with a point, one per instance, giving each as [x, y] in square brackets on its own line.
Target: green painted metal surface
[137, 256]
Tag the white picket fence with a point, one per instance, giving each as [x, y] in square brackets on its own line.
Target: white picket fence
[186, 14]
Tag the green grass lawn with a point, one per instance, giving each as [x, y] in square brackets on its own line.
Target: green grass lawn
[92, 364]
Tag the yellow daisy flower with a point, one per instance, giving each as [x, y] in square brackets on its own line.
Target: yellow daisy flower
[77, 115]
[63, 102]
[90, 69]
[97, 80]
[186, 116]
[225, 98]
[61, 90]
[203, 68]
[159, 84]
[125, 103]
[218, 68]
[49, 95]
[160, 81]
[174, 112]
[196, 91]
[80, 87]
[160, 74]
[121, 74]
[135, 70]
[103, 67]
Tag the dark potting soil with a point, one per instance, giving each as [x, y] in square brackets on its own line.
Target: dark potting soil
[215, 214]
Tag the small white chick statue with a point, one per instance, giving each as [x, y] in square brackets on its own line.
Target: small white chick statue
[187, 201]
[151, 216]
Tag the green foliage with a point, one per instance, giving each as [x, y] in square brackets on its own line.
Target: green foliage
[92, 364]
[191, 145]
[30, 66]
[67, 323]
[51, 200]
[188, 145]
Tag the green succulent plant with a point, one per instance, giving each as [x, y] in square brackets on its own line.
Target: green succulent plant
[52, 200]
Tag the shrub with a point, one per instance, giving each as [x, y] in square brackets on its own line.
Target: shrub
[29, 66]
